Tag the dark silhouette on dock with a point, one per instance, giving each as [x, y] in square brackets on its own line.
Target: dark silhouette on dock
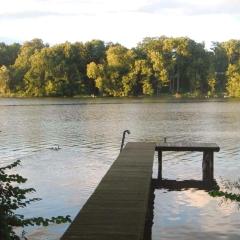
[123, 138]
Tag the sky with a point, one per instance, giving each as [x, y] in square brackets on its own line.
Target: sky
[123, 21]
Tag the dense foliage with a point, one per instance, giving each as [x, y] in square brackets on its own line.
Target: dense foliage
[156, 66]
[227, 195]
[12, 197]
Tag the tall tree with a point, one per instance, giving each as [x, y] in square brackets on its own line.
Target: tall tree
[233, 84]
[22, 63]
[220, 63]
[4, 80]
[8, 53]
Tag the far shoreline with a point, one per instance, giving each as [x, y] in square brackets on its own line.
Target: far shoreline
[146, 99]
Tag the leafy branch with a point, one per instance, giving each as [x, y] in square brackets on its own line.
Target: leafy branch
[12, 198]
[227, 195]
[230, 188]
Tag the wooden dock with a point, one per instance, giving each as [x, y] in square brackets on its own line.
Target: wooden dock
[118, 207]
[207, 149]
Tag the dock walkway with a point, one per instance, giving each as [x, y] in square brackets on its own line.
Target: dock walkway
[118, 207]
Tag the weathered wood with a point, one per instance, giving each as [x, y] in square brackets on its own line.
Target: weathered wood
[208, 150]
[187, 146]
[118, 207]
[159, 165]
[207, 166]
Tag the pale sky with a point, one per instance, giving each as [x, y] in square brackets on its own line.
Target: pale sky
[123, 21]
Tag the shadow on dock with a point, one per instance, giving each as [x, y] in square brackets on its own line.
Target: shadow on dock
[172, 185]
[150, 214]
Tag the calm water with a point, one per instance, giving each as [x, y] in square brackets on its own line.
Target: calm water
[89, 135]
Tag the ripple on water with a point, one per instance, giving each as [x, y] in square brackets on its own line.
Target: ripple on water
[89, 134]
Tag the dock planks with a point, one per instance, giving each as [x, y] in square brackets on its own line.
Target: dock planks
[118, 207]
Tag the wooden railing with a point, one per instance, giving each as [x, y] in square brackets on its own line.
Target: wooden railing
[208, 150]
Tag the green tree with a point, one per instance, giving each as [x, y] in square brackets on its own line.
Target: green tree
[4, 80]
[56, 71]
[158, 53]
[157, 65]
[34, 78]
[96, 51]
[220, 62]
[232, 49]
[23, 64]
[8, 53]
[212, 83]
[96, 72]
[138, 80]
[233, 84]
[119, 61]
[197, 65]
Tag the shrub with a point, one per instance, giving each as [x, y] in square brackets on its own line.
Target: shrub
[12, 197]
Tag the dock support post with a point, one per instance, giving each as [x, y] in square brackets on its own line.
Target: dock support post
[159, 165]
[207, 166]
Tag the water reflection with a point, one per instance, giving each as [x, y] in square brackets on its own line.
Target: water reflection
[191, 213]
[174, 185]
[89, 133]
[233, 186]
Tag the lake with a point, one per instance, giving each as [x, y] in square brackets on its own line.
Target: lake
[88, 133]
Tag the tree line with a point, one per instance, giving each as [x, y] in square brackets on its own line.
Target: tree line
[156, 66]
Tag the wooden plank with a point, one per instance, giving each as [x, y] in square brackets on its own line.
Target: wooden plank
[118, 207]
[159, 165]
[207, 166]
[187, 146]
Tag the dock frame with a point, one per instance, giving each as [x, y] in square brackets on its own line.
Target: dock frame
[119, 207]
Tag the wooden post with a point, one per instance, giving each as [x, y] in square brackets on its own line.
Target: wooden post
[159, 165]
[207, 166]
